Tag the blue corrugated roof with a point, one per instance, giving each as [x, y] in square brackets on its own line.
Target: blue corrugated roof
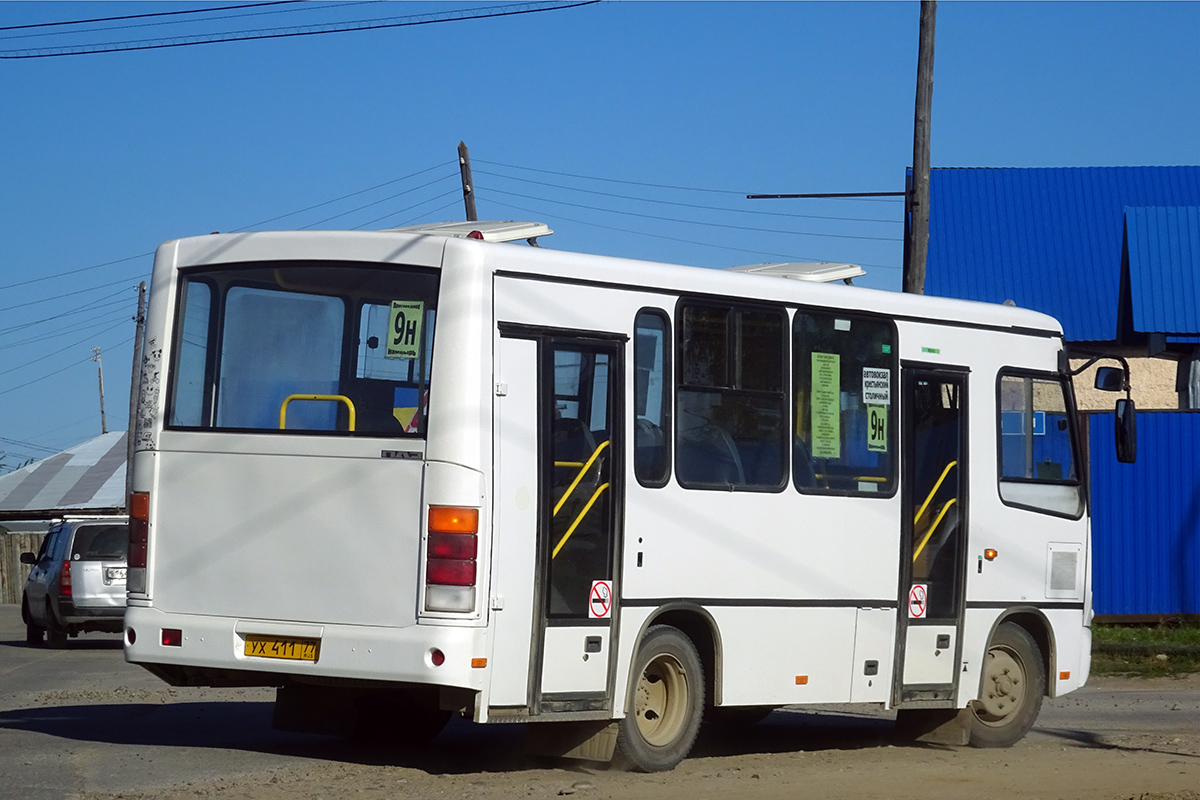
[1164, 268]
[1049, 239]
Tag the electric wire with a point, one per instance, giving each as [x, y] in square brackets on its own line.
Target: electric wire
[644, 183]
[690, 205]
[457, 15]
[60, 370]
[423, 215]
[375, 203]
[409, 208]
[104, 319]
[61, 295]
[698, 222]
[44, 356]
[74, 271]
[306, 7]
[346, 196]
[147, 15]
[90, 306]
[20, 443]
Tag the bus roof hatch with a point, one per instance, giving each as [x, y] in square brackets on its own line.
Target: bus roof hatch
[490, 231]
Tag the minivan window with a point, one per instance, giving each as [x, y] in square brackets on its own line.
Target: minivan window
[100, 543]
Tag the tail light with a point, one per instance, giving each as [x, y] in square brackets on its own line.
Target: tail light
[64, 580]
[139, 529]
[450, 562]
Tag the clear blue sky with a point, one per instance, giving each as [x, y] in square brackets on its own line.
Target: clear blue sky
[105, 156]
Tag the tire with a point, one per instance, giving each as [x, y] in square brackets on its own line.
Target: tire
[1014, 682]
[56, 634]
[667, 705]
[33, 632]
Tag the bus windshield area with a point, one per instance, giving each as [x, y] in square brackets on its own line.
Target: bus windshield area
[337, 348]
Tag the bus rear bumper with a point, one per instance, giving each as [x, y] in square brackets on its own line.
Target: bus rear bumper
[211, 651]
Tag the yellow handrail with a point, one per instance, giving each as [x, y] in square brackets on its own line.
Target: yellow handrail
[579, 477]
[933, 527]
[578, 519]
[337, 398]
[933, 491]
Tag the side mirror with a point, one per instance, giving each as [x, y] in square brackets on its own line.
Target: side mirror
[28, 558]
[1126, 433]
[1110, 379]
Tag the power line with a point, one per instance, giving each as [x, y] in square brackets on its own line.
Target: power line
[347, 196]
[651, 235]
[689, 205]
[44, 356]
[96, 304]
[377, 202]
[306, 7]
[146, 16]
[458, 15]
[453, 191]
[20, 443]
[611, 180]
[75, 271]
[57, 371]
[787, 256]
[706, 224]
[61, 295]
[104, 319]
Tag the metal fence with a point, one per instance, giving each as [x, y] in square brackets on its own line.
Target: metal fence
[1146, 517]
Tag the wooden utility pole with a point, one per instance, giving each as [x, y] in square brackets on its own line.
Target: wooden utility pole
[135, 379]
[100, 373]
[464, 166]
[918, 200]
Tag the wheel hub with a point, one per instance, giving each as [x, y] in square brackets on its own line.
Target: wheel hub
[1003, 686]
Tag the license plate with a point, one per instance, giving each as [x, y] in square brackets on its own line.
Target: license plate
[282, 647]
[115, 573]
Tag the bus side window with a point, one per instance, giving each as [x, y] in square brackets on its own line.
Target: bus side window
[1037, 445]
[730, 407]
[844, 390]
[652, 417]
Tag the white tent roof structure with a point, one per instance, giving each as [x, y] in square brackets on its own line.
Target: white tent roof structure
[88, 479]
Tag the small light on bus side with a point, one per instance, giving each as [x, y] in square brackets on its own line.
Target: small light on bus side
[450, 565]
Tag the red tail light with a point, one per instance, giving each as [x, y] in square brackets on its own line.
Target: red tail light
[139, 529]
[453, 546]
[64, 580]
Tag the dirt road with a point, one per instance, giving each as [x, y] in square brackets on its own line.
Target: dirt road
[1116, 739]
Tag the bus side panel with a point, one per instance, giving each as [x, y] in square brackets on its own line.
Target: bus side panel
[782, 656]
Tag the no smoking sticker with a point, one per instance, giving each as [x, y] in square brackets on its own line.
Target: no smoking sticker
[918, 601]
[600, 600]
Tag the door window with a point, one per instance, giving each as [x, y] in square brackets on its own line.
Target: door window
[581, 452]
[937, 475]
[1037, 447]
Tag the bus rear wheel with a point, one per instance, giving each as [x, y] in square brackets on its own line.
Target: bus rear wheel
[1014, 682]
[667, 704]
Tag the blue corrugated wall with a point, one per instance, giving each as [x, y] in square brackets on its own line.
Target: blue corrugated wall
[1146, 517]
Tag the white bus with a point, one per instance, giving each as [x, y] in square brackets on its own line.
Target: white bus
[400, 475]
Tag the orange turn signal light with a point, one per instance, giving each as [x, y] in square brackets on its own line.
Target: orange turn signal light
[990, 554]
[478, 663]
[801, 680]
[453, 519]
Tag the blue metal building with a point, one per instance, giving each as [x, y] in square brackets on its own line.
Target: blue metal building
[1114, 254]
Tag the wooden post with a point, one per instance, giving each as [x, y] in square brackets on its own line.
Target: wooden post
[464, 166]
[918, 201]
[134, 382]
[100, 375]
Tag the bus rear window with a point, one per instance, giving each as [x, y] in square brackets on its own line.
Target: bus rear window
[304, 347]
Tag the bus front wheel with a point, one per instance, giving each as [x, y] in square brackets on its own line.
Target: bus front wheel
[1014, 682]
[667, 704]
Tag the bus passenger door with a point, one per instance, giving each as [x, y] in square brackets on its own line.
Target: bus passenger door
[580, 451]
[934, 537]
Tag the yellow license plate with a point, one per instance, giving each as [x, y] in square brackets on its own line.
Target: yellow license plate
[282, 647]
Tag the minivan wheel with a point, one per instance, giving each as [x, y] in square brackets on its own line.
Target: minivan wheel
[33, 632]
[56, 635]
